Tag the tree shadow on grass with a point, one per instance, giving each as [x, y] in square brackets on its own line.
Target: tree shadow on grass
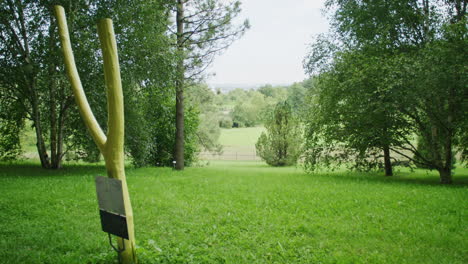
[34, 170]
[460, 180]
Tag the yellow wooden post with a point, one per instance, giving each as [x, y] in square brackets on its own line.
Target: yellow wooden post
[110, 145]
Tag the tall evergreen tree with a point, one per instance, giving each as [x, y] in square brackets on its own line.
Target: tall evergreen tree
[202, 30]
[281, 145]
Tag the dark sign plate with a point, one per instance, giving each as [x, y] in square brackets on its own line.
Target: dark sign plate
[114, 224]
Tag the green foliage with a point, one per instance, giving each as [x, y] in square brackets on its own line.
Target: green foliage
[281, 145]
[248, 112]
[226, 122]
[202, 29]
[250, 108]
[440, 82]
[277, 92]
[296, 94]
[424, 153]
[10, 147]
[11, 123]
[425, 157]
[236, 95]
[209, 27]
[336, 217]
[395, 69]
[143, 42]
[202, 98]
[150, 142]
[351, 116]
[462, 143]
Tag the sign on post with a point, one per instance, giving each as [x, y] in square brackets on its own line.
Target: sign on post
[111, 206]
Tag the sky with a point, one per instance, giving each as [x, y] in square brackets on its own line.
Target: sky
[272, 50]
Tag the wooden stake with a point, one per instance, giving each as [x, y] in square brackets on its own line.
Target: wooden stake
[110, 145]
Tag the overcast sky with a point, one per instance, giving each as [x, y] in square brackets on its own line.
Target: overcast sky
[273, 48]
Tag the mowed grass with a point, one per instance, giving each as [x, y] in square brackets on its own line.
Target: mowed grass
[240, 137]
[239, 143]
[232, 212]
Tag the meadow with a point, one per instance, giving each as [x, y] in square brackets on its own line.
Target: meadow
[237, 212]
[237, 143]
[240, 137]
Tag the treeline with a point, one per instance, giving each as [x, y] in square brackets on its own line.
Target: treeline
[252, 107]
[164, 47]
[240, 108]
[390, 81]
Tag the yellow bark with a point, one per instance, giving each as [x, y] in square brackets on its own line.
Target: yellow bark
[111, 146]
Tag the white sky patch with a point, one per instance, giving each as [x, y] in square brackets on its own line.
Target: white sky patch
[273, 49]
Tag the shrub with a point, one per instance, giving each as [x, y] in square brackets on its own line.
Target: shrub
[226, 122]
[281, 145]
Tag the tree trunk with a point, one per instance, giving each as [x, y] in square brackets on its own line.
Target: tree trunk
[426, 10]
[387, 161]
[446, 172]
[53, 131]
[36, 118]
[54, 158]
[445, 175]
[179, 137]
[61, 130]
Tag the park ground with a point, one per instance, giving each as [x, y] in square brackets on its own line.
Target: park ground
[237, 212]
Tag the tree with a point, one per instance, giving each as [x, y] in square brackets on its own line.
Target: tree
[201, 97]
[277, 92]
[357, 61]
[383, 53]
[439, 116]
[281, 145]
[147, 73]
[249, 112]
[296, 96]
[352, 117]
[154, 144]
[22, 66]
[33, 76]
[110, 144]
[202, 29]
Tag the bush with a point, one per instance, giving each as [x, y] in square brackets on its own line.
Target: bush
[226, 122]
[248, 112]
[10, 147]
[150, 131]
[282, 144]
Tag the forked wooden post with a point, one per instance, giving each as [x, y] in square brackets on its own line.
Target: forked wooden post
[110, 145]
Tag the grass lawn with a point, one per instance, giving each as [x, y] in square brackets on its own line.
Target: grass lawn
[239, 143]
[237, 212]
[240, 137]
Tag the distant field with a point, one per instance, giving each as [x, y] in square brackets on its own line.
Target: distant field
[28, 141]
[238, 143]
[237, 212]
[240, 137]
